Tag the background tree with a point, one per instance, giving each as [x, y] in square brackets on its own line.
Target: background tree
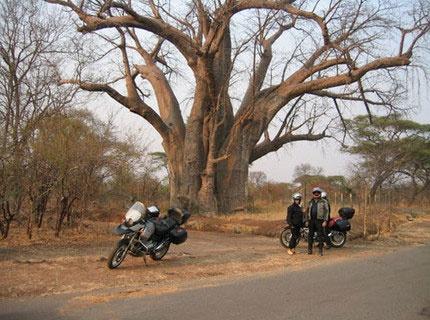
[308, 177]
[32, 40]
[418, 169]
[297, 77]
[76, 159]
[391, 146]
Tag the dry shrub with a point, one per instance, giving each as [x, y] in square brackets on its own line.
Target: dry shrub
[82, 233]
[266, 224]
[268, 220]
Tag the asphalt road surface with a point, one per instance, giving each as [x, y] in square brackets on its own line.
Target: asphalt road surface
[392, 286]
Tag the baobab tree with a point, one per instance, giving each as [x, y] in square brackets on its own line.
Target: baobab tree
[301, 59]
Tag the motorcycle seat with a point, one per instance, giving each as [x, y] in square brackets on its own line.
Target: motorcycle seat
[333, 221]
[165, 225]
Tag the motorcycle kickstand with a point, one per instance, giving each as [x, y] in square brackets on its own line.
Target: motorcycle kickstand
[144, 259]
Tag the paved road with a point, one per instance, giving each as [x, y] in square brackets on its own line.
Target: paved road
[393, 286]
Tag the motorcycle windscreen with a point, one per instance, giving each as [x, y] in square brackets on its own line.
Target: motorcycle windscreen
[136, 211]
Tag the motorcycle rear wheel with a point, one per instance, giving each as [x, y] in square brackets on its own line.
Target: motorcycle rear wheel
[338, 239]
[286, 237]
[117, 256]
[159, 254]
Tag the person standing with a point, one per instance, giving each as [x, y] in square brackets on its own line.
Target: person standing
[326, 228]
[295, 221]
[317, 216]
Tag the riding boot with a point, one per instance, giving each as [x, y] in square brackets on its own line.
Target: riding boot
[327, 239]
[310, 248]
[321, 249]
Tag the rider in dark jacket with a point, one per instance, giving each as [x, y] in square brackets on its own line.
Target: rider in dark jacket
[295, 221]
[326, 229]
[317, 216]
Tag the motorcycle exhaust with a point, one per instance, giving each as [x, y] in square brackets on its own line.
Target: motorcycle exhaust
[161, 245]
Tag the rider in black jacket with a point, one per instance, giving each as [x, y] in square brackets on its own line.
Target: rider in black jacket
[326, 229]
[295, 221]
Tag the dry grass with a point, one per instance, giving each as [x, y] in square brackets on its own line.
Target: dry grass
[84, 232]
[268, 220]
[380, 221]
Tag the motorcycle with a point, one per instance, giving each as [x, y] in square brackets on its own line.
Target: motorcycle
[337, 230]
[167, 231]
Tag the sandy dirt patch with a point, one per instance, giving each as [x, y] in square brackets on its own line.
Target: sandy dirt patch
[206, 258]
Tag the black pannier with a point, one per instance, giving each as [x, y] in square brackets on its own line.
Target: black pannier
[346, 213]
[164, 225]
[178, 235]
[343, 225]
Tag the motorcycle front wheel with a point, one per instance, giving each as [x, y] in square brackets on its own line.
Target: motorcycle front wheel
[286, 237]
[160, 253]
[337, 239]
[117, 256]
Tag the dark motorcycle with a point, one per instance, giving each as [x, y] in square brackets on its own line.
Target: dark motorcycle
[337, 230]
[167, 231]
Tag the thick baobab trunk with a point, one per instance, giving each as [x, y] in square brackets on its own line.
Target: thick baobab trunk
[232, 174]
[232, 178]
[175, 165]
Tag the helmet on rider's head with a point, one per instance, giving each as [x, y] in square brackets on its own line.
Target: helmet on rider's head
[152, 212]
[324, 195]
[297, 196]
[317, 190]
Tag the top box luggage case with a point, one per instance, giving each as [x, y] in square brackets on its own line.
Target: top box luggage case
[346, 213]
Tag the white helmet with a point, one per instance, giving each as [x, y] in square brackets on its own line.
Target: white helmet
[316, 189]
[297, 196]
[324, 195]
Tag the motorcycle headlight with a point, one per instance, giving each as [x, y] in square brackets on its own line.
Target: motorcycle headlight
[129, 222]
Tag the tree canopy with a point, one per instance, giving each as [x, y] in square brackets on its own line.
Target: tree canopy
[390, 146]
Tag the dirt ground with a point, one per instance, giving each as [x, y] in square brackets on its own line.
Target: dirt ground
[80, 264]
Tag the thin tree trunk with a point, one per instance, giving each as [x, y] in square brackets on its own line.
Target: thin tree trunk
[30, 224]
[61, 215]
[40, 220]
[41, 209]
[6, 229]
[8, 218]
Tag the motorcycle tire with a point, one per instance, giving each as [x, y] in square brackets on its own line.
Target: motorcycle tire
[337, 239]
[285, 238]
[117, 256]
[159, 254]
